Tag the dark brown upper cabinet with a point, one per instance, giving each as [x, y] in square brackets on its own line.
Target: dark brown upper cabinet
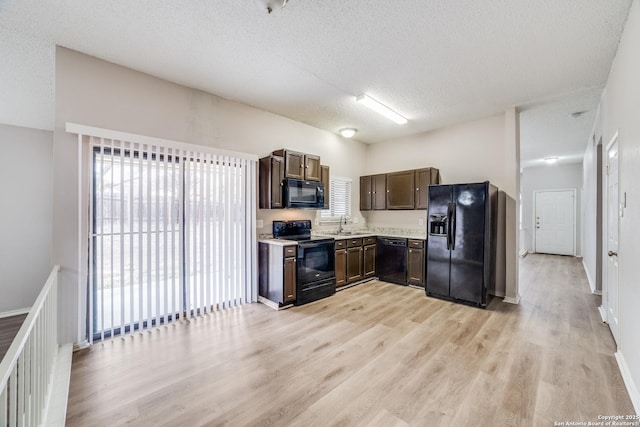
[324, 177]
[373, 192]
[312, 168]
[424, 178]
[401, 190]
[300, 165]
[397, 190]
[271, 173]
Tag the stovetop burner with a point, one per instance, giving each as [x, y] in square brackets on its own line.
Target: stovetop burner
[299, 231]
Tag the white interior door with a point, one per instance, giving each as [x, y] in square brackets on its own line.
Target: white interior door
[613, 216]
[555, 222]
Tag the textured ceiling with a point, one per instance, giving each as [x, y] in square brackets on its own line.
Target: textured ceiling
[436, 62]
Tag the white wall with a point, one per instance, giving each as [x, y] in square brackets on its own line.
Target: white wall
[25, 217]
[97, 93]
[476, 140]
[476, 151]
[467, 152]
[549, 177]
[620, 111]
[592, 210]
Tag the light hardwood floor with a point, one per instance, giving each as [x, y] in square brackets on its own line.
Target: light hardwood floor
[376, 354]
[9, 327]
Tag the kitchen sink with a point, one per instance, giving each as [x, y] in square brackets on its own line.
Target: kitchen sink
[346, 233]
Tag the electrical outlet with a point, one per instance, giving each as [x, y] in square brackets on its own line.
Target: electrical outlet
[355, 219]
[259, 223]
[421, 221]
[316, 222]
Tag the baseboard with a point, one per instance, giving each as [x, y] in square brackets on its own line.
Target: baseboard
[512, 300]
[81, 345]
[603, 314]
[524, 253]
[56, 411]
[592, 284]
[634, 394]
[17, 312]
[597, 292]
[272, 305]
[360, 282]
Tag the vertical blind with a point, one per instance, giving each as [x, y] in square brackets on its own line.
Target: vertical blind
[339, 200]
[172, 234]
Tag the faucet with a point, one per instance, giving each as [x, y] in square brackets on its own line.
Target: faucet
[340, 230]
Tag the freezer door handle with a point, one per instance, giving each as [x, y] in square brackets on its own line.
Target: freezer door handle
[450, 233]
[452, 225]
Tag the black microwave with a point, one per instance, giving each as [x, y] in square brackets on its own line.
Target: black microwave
[299, 193]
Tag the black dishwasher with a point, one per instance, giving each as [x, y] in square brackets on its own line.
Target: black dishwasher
[391, 259]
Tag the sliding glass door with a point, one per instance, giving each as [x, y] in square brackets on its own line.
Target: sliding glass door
[169, 235]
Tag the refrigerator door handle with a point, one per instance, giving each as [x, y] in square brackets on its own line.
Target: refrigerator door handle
[452, 226]
[449, 219]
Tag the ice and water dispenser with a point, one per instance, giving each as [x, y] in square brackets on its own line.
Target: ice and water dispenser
[438, 224]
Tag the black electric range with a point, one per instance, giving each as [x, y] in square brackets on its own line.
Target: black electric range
[315, 260]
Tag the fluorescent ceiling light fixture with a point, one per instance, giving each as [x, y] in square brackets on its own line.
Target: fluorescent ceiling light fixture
[551, 160]
[348, 132]
[381, 109]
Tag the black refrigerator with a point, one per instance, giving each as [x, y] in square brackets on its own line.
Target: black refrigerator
[461, 242]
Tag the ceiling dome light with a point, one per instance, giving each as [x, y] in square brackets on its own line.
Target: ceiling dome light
[270, 5]
[348, 132]
[551, 160]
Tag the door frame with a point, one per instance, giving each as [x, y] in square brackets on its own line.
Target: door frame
[605, 224]
[533, 218]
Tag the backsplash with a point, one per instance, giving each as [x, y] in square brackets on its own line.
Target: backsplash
[399, 232]
[382, 223]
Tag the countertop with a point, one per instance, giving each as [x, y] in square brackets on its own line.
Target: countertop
[404, 234]
[278, 242]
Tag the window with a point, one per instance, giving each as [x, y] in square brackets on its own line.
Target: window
[339, 200]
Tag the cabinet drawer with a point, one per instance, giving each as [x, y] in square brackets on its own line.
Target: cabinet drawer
[352, 243]
[414, 243]
[369, 240]
[341, 244]
[289, 251]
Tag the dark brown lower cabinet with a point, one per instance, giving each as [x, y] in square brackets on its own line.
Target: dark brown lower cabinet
[277, 273]
[415, 262]
[354, 264]
[355, 260]
[341, 267]
[369, 260]
[289, 280]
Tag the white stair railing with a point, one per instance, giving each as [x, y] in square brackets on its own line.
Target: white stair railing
[26, 371]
